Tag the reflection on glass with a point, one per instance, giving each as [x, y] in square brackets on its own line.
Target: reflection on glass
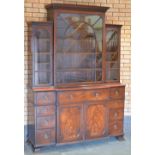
[79, 46]
[112, 40]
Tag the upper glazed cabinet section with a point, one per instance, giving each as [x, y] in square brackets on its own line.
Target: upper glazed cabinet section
[75, 46]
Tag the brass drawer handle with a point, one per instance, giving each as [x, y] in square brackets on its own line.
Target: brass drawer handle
[115, 126]
[71, 97]
[116, 92]
[115, 114]
[46, 136]
[96, 94]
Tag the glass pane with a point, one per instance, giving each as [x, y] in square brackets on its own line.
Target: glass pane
[76, 61]
[42, 58]
[42, 41]
[42, 67]
[112, 65]
[79, 46]
[112, 74]
[42, 78]
[112, 40]
[112, 56]
[74, 76]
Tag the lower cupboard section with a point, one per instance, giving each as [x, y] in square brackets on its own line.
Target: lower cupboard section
[78, 122]
[61, 117]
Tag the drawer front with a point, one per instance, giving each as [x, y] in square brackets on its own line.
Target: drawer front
[79, 96]
[116, 128]
[118, 92]
[45, 98]
[45, 110]
[116, 114]
[45, 122]
[116, 104]
[45, 137]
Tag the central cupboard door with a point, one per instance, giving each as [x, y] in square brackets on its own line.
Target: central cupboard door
[95, 120]
[70, 123]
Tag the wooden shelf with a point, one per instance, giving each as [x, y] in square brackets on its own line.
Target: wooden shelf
[78, 69]
[79, 53]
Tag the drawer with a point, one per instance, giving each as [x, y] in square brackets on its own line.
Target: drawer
[79, 96]
[45, 110]
[45, 137]
[116, 104]
[45, 98]
[116, 114]
[118, 92]
[45, 122]
[116, 128]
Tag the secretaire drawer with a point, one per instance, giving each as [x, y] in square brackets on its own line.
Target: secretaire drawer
[117, 92]
[87, 95]
[45, 110]
[116, 104]
[45, 98]
[116, 114]
[45, 122]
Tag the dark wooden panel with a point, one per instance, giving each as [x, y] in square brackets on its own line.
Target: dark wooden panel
[116, 104]
[116, 114]
[77, 8]
[70, 123]
[96, 119]
[116, 128]
[116, 92]
[45, 98]
[80, 96]
[45, 137]
[45, 110]
[45, 122]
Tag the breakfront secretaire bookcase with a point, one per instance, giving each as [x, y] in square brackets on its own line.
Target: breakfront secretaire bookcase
[76, 77]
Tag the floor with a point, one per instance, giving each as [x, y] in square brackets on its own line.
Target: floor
[108, 146]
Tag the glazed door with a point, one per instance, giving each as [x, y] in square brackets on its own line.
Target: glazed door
[78, 51]
[95, 120]
[69, 123]
[41, 47]
[113, 53]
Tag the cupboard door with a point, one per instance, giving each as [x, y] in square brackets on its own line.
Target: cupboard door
[96, 118]
[113, 52]
[42, 53]
[70, 123]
